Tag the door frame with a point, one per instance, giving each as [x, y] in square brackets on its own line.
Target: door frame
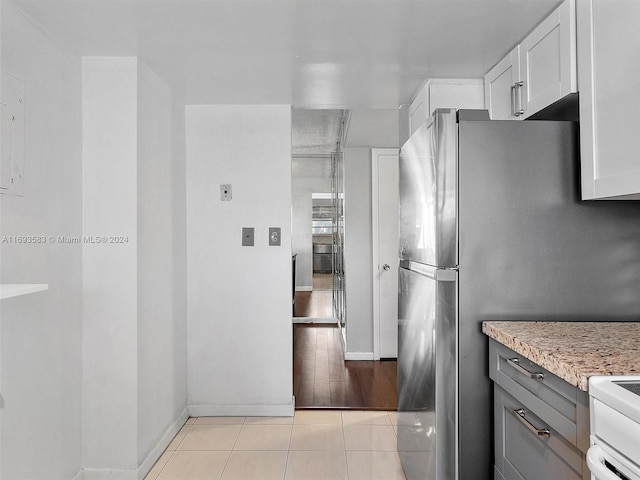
[376, 153]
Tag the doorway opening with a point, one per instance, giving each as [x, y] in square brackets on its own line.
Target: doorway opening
[317, 304]
[322, 378]
[317, 215]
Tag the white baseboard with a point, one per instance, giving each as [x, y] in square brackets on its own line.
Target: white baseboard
[147, 464]
[358, 356]
[157, 451]
[304, 288]
[109, 474]
[79, 475]
[315, 320]
[279, 410]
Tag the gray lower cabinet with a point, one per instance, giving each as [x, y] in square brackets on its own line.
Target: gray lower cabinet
[541, 422]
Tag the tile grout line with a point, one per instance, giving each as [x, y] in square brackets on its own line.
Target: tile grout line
[184, 436]
[226, 463]
[286, 465]
[344, 440]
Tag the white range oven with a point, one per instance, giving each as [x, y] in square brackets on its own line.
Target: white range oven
[615, 428]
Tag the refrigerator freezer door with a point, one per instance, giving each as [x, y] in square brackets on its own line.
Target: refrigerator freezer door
[427, 372]
[428, 192]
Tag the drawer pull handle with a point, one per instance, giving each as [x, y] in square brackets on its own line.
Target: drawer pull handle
[541, 432]
[515, 363]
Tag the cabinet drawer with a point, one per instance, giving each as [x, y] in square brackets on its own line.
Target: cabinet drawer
[554, 400]
[522, 453]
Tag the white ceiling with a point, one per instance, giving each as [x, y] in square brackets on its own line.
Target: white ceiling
[308, 53]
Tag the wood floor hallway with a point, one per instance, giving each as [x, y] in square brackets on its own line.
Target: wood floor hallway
[322, 379]
[318, 302]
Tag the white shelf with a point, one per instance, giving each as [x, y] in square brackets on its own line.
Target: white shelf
[8, 290]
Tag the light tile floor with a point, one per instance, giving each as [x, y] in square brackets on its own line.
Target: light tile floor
[312, 445]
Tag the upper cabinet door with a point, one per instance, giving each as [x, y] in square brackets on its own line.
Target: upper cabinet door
[609, 69]
[538, 72]
[548, 60]
[501, 89]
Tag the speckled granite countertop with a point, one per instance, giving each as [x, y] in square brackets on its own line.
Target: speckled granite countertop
[574, 351]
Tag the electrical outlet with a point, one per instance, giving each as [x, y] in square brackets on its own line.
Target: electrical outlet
[247, 236]
[225, 192]
[274, 236]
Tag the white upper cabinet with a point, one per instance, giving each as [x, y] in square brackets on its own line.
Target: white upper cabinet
[548, 60]
[609, 69]
[500, 86]
[539, 71]
[445, 93]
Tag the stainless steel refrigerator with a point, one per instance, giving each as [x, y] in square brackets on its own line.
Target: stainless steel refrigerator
[492, 228]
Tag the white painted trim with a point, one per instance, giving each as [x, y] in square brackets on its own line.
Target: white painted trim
[585, 62]
[375, 190]
[304, 288]
[157, 451]
[258, 410]
[315, 320]
[358, 356]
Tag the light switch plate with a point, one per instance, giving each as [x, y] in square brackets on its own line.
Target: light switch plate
[247, 236]
[225, 192]
[274, 236]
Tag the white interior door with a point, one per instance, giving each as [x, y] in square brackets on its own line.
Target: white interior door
[385, 251]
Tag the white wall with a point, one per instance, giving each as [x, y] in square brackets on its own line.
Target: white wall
[367, 129]
[358, 250]
[309, 175]
[41, 353]
[110, 270]
[239, 298]
[134, 337]
[373, 127]
[1, 276]
[161, 262]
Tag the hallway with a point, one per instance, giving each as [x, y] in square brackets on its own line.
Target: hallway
[322, 379]
[318, 302]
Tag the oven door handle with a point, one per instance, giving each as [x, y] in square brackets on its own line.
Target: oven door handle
[595, 462]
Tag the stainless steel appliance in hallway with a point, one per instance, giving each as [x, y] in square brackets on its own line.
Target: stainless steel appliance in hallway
[492, 228]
